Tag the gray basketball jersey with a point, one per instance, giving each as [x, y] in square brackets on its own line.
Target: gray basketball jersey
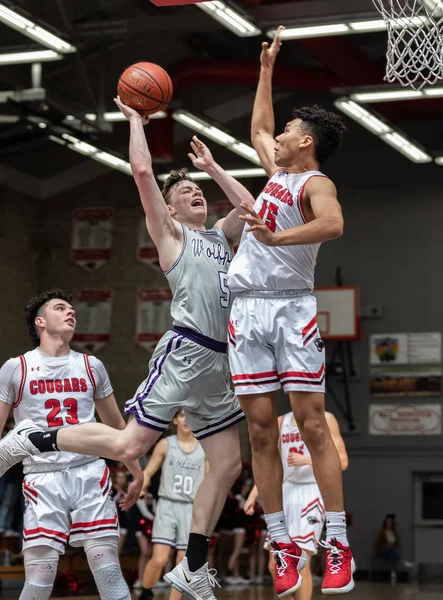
[199, 283]
[182, 473]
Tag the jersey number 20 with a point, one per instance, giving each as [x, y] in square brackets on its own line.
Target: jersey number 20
[183, 484]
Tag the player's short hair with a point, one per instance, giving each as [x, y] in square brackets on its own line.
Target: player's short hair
[173, 178]
[180, 410]
[35, 304]
[326, 128]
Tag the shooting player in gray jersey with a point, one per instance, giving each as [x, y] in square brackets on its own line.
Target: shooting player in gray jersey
[189, 368]
[182, 463]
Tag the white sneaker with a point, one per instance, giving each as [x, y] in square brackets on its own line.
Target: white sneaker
[137, 585]
[231, 580]
[196, 585]
[15, 446]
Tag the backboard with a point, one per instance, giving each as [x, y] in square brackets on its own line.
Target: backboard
[337, 312]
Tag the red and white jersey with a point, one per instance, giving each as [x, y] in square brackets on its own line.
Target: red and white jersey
[291, 441]
[54, 392]
[276, 268]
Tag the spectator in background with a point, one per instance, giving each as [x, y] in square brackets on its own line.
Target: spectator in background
[388, 546]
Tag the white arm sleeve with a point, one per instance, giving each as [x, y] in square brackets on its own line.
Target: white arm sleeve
[102, 381]
[10, 377]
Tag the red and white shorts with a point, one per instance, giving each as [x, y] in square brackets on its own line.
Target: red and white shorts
[304, 513]
[274, 341]
[72, 505]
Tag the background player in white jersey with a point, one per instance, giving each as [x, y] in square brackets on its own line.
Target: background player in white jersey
[67, 495]
[273, 329]
[302, 502]
[182, 461]
[189, 368]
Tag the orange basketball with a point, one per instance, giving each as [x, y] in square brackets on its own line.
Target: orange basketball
[145, 87]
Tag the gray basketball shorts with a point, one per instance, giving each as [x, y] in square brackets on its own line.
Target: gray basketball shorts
[172, 523]
[185, 374]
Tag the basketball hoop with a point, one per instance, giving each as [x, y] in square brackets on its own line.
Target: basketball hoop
[415, 41]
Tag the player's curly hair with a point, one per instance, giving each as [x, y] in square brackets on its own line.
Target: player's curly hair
[35, 304]
[173, 178]
[326, 128]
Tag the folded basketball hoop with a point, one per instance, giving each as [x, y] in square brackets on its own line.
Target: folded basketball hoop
[415, 41]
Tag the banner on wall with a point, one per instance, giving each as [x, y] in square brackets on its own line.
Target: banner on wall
[146, 250]
[91, 237]
[405, 364]
[153, 316]
[405, 419]
[93, 314]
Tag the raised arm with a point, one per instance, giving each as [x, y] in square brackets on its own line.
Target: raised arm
[235, 192]
[337, 439]
[323, 212]
[110, 415]
[166, 233]
[262, 124]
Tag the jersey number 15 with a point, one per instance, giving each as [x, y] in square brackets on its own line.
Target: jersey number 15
[268, 213]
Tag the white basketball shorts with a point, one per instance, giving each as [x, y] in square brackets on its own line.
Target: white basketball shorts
[305, 513]
[72, 505]
[275, 342]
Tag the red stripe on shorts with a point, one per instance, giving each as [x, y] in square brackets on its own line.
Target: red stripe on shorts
[82, 524]
[29, 532]
[300, 374]
[104, 479]
[254, 375]
[309, 326]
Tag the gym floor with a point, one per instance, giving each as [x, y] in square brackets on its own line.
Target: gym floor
[363, 591]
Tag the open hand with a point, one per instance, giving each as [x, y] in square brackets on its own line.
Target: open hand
[130, 113]
[134, 493]
[269, 53]
[257, 226]
[201, 158]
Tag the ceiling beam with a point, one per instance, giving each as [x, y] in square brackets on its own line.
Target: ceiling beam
[282, 13]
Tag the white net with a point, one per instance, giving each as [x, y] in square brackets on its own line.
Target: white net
[415, 41]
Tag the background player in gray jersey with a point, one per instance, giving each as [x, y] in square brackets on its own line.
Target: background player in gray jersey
[182, 462]
[189, 368]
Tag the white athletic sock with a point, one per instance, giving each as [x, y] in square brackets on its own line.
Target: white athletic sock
[277, 527]
[336, 527]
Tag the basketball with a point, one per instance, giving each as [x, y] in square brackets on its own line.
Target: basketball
[146, 87]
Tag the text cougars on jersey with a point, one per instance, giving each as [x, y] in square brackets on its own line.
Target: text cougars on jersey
[44, 386]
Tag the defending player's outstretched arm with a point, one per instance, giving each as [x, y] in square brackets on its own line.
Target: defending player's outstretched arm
[235, 192]
[165, 232]
[262, 124]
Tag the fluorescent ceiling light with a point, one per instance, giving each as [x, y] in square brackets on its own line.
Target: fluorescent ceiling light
[217, 135]
[114, 116]
[406, 147]
[382, 130]
[436, 92]
[32, 30]
[9, 118]
[237, 173]
[352, 27]
[388, 96]
[73, 143]
[363, 116]
[230, 18]
[439, 160]
[16, 58]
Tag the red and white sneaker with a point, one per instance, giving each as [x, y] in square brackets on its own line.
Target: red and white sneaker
[289, 560]
[340, 566]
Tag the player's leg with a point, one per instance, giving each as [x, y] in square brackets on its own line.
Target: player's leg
[102, 555]
[233, 562]
[40, 571]
[154, 568]
[305, 590]
[175, 594]
[191, 576]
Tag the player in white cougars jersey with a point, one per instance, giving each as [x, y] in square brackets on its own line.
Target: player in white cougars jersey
[273, 332]
[67, 495]
[189, 368]
[182, 463]
[302, 502]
